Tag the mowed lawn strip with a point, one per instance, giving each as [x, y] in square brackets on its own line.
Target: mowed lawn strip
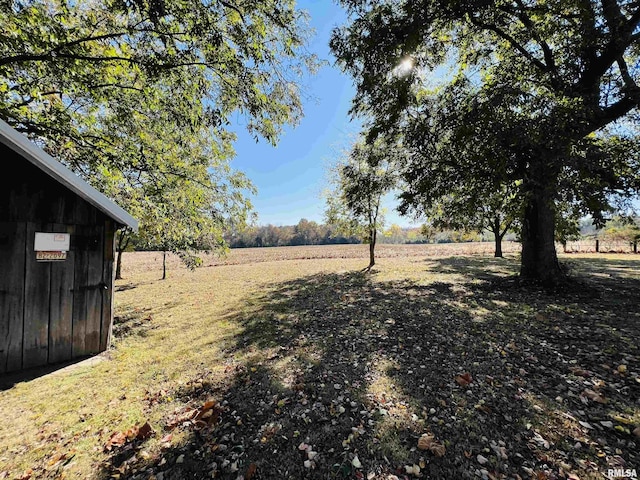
[318, 370]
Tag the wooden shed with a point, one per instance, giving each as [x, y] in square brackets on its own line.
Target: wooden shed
[57, 248]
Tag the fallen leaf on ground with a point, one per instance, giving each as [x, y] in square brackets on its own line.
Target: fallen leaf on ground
[540, 440]
[118, 439]
[438, 449]
[145, 431]
[59, 459]
[208, 414]
[594, 396]
[580, 372]
[464, 379]
[251, 471]
[412, 470]
[26, 475]
[621, 419]
[183, 417]
[427, 442]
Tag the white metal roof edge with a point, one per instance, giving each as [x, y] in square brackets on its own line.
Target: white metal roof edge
[29, 150]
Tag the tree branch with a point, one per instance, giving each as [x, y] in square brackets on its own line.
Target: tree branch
[116, 85]
[614, 111]
[31, 99]
[624, 72]
[512, 41]
[79, 41]
[232, 7]
[506, 228]
[45, 57]
[612, 14]
[548, 54]
[620, 39]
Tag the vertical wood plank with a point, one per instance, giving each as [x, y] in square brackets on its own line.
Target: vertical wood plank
[36, 304]
[108, 277]
[79, 323]
[88, 290]
[61, 307]
[95, 288]
[12, 267]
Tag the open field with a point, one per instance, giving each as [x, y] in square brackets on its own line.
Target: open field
[289, 363]
[146, 261]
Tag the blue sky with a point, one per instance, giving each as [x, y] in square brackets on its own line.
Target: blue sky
[290, 177]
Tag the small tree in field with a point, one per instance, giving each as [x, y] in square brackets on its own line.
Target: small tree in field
[495, 209]
[187, 219]
[567, 223]
[360, 181]
[623, 228]
[185, 197]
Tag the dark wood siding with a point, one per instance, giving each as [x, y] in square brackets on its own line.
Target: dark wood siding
[61, 313]
[37, 280]
[51, 311]
[88, 290]
[12, 264]
[108, 277]
[28, 194]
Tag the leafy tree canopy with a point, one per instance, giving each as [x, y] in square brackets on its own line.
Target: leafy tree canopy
[64, 66]
[137, 97]
[540, 92]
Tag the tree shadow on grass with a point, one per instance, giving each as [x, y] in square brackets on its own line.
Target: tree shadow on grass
[513, 383]
[477, 266]
[603, 267]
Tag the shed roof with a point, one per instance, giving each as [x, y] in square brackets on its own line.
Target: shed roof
[20, 144]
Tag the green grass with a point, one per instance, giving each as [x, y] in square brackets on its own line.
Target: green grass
[279, 329]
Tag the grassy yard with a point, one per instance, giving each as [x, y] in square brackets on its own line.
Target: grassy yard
[290, 363]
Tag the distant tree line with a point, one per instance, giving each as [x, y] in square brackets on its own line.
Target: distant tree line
[619, 229]
[306, 232]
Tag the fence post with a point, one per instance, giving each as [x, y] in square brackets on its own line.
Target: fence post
[597, 246]
[635, 247]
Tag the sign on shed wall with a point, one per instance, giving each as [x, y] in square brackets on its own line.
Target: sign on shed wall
[51, 247]
[56, 242]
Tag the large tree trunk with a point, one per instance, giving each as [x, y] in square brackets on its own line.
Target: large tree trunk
[539, 261]
[498, 238]
[498, 251]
